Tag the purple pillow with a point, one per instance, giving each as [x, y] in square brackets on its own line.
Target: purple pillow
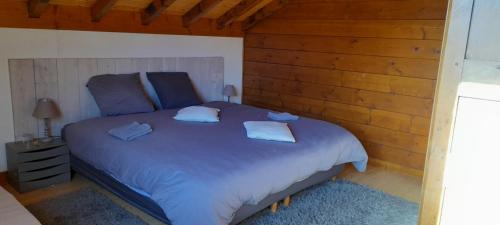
[174, 89]
[119, 94]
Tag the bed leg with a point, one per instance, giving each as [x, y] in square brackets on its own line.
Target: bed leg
[334, 178]
[286, 201]
[274, 207]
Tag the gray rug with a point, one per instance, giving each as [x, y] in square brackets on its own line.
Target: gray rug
[341, 203]
[330, 203]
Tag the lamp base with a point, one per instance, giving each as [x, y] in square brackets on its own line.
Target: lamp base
[48, 131]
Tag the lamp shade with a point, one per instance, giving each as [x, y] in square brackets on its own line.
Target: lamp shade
[229, 90]
[46, 108]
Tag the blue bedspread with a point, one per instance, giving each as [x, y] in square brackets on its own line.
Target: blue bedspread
[202, 173]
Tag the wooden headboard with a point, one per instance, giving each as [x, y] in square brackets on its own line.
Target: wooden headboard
[64, 81]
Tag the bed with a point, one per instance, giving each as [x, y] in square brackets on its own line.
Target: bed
[186, 173]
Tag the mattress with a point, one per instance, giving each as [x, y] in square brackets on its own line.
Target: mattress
[202, 173]
[147, 205]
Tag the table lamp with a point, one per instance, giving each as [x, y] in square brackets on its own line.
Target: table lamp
[46, 109]
[229, 91]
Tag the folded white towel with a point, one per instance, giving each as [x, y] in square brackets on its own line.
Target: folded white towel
[282, 116]
[269, 130]
[131, 131]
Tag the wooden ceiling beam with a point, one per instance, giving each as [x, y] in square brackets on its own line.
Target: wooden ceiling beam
[154, 10]
[100, 8]
[237, 11]
[198, 11]
[263, 13]
[37, 7]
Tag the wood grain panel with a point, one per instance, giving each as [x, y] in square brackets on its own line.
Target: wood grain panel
[64, 80]
[13, 14]
[423, 68]
[178, 8]
[222, 8]
[365, 81]
[375, 9]
[420, 125]
[86, 69]
[236, 11]
[454, 49]
[22, 83]
[369, 66]
[354, 118]
[263, 13]
[311, 107]
[385, 101]
[100, 8]
[391, 120]
[251, 12]
[106, 66]
[69, 92]
[396, 155]
[406, 48]
[403, 29]
[124, 65]
[335, 112]
[155, 65]
[296, 73]
[141, 65]
[45, 79]
[387, 137]
[203, 71]
[416, 87]
[396, 103]
[346, 112]
[169, 64]
[37, 7]
[269, 102]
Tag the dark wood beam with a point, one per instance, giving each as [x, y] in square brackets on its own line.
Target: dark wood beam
[154, 10]
[198, 11]
[237, 11]
[263, 13]
[115, 21]
[37, 7]
[100, 8]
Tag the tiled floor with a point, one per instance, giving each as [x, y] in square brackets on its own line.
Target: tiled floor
[401, 185]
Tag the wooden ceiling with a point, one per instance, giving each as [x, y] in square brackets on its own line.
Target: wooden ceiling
[224, 12]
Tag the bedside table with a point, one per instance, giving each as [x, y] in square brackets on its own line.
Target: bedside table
[37, 166]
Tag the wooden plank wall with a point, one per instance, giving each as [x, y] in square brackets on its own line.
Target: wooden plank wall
[370, 66]
[64, 80]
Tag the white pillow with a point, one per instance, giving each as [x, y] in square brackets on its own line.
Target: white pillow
[268, 130]
[198, 114]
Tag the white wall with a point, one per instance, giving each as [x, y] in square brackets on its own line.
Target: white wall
[35, 43]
